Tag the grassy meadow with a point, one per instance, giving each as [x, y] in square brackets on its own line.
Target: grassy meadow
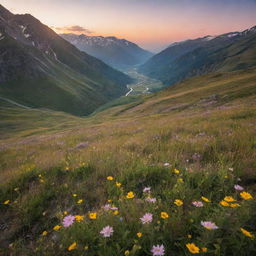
[171, 173]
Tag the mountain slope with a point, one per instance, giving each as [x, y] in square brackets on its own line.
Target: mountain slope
[192, 141]
[228, 52]
[40, 69]
[118, 53]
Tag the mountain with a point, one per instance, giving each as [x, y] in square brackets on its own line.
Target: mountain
[227, 52]
[38, 68]
[118, 53]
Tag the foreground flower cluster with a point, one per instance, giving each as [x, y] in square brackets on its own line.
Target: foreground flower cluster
[143, 213]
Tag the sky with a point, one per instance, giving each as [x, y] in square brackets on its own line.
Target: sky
[153, 24]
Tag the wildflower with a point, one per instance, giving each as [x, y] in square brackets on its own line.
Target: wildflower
[204, 249]
[224, 203]
[118, 184]
[205, 199]
[127, 252]
[238, 187]
[146, 190]
[139, 234]
[57, 227]
[157, 250]
[107, 231]
[6, 202]
[147, 218]
[80, 201]
[176, 171]
[86, 247]
[247, 233]
[234, 205]
[72, 246]
[44, 233]
[164, 215]
[16, 189]
[166, 164]
[209, 225]
[106, 207]
[192, 248]
[110, 178]
[79, 218]
[178, 202]
[130, 195]
[229, 199]
[198, 204]
[189, 236]
[150, 200]
[65, 212]
[93, 215]
[115, 212]
[68, 221]
[180, 180]
[109, 200]
[74, 195]
[246, 195]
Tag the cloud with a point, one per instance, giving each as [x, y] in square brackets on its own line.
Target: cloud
[72, 29]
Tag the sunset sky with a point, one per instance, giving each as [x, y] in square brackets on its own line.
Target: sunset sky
[153, 24]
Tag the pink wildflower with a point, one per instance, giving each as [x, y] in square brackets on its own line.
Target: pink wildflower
[146, 190]
[198, 204]
[209, 225]
[106, 207]
[68, 221]
[147, 218]
[150, 200]
[238, 187]
[107, 231]
[157, 250]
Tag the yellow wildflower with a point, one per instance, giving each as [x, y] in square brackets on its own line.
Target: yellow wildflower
[246, 195]
[189, 236]
[80, 201]
[126, 253]
[247, 233]
[57, 227]
[234, 205]
[74, 195]
[164, 215]
[229, 199]
[44, 233]
[79, 218]
[130, 195]
[72, 246]
[205, 199]
[86, 247]
[139, 234]
[115, 212]
[6, 202]
[178, 202]
[193, 248]
[109, 201]
[204, 249]
[224, 203]
[180, 180]
[110, 178]
[65, 212]
[176, 171]
[118, 184]
[93, 215]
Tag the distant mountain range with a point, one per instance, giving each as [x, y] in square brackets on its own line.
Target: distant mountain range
[118, 53]
[227, 52]
[38, 68]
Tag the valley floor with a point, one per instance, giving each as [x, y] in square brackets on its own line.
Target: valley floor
[172, 171]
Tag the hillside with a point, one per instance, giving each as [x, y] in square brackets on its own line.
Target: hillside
[190, 145]
[227, 52]
[118, 53]
[40, 69]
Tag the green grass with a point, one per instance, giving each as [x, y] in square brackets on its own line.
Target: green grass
[203, 127]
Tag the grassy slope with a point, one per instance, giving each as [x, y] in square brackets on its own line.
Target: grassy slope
[203, 126]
